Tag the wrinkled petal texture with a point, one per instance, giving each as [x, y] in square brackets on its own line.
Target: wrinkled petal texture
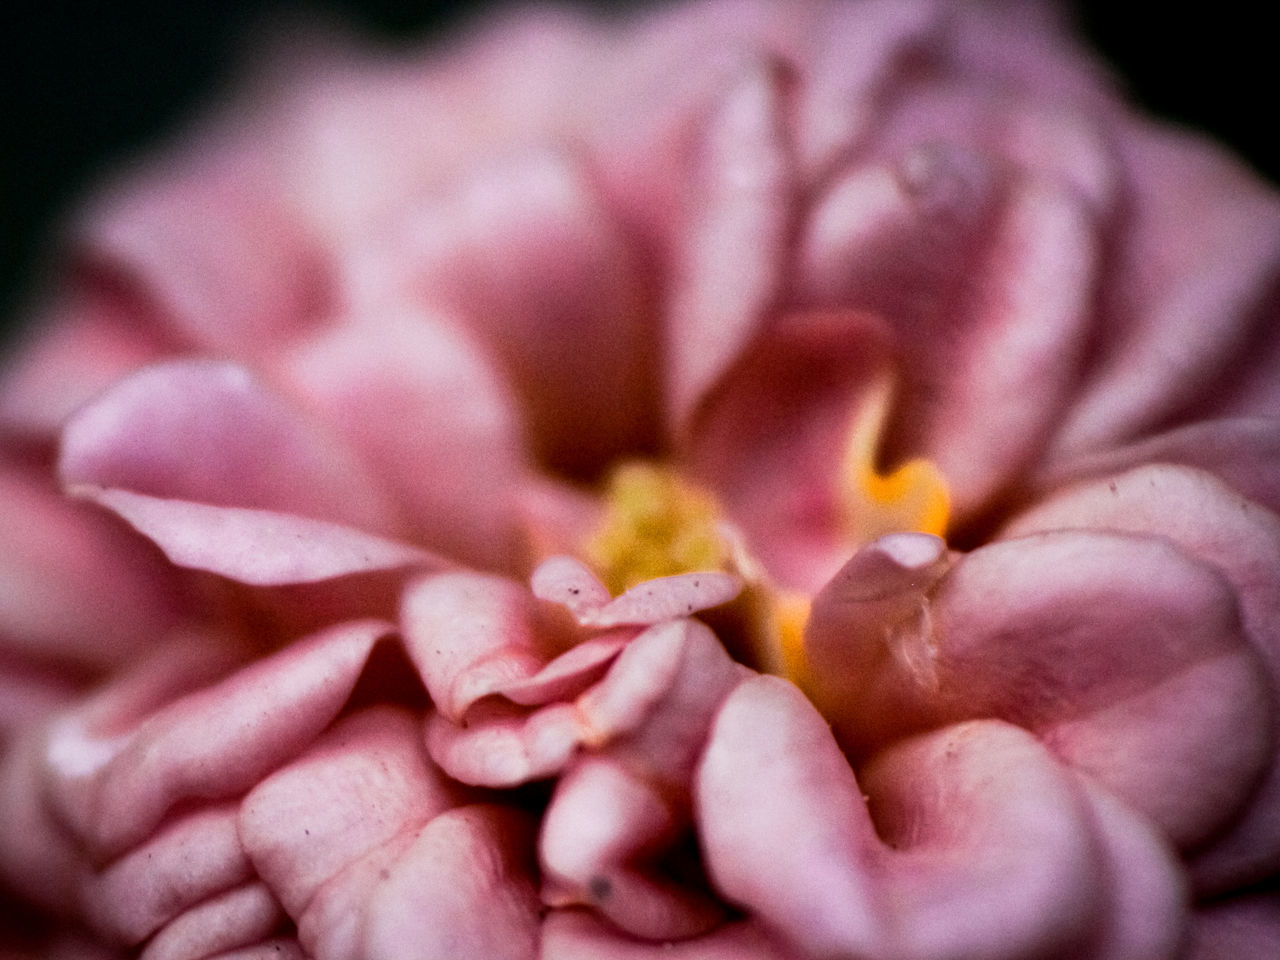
[302, 652]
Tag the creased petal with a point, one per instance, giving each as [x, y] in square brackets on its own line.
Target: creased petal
[238, 918]
[461, 889]
[113, 787]
[359, 785]
[1242, 540]
[577, 935]
[186, 862]
[1124, 653]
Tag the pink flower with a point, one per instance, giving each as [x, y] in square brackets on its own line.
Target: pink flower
[745, 480]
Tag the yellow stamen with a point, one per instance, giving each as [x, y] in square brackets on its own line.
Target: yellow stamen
[656, 525]
[912, 498]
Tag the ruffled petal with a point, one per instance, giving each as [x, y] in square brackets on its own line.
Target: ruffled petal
[1242, 540]
[112, 787]
[977, 822]
[238, 918]
[577, 935]
[1125, 654]
[359, 785]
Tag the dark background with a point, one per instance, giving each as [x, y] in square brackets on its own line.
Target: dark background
[82, 82]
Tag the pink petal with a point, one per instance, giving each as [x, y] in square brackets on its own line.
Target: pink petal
[666, 598]
[1188, 294]
[570, 583]
[569, 674]
[208, 240]
[527, 257]
[83, 342]
[578, 935]
[210, 432]
[770, 439]
[1124, 653]
[1242, 540]
[210, 744]
[987, 285]
[469, 634]
[505, 749]
[78, 594]
[259, 547]
[604, 826]
[462, 889]
[729, 264]
[238, 918]
[978, 823]
[277, 948]
[420, 402]
[359, 785]
[185, 862]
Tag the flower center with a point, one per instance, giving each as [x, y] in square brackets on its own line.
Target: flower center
[658, 523]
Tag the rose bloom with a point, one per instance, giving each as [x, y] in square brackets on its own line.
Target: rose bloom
[739, 480]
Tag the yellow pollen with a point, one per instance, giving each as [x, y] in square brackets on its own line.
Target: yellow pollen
[911, 498]
[656, 524]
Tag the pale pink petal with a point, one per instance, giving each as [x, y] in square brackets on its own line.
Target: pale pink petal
[666, 598]
[601, 845]
[237, 918]
[463, 888]
[1189, 294]
[424, 407]
[359, 785]
[505, 748]
[469, 634]
[577, 935]
[80, 344]
[571, 673]
[185, 862]
[529, 259]
[977, 822]
[770, 439]
[571, 583]
[75, 592]
[211, 432]
[1241, 539]
[210, 744]
[210, 245]
[730, 260]
[1124, 653]
[259, 547]
[1244, 452]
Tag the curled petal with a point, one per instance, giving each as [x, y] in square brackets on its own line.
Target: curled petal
[978, 821]
[570, 583]
[258, 547]
[113, 788]
[666, 598]
[469, 634]
[210, 432]
[1242, 540]
[1124, 653]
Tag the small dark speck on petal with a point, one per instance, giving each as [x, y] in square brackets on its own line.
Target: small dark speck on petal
[600, 888]
[384, 873]
[1112, 486]
[307, 832]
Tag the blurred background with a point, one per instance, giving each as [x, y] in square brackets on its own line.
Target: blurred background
[85, 82]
